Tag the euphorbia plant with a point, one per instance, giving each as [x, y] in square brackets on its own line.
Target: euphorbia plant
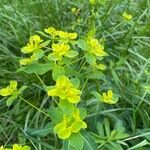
[72, 62]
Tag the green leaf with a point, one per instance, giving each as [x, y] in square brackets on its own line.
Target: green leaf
[141, 144]
[37, 68]
[72, 54]
[90, 58]
[22, 89]
[95, 75]
[76, 141]
[89, 143]
[75, 82]
[66, 106]
[113, 146]
[53, 56]
[38, 54]
[82, 44]
[66, 145]
[56, 114]
[100, 129]
[107, 126]
[41, 132]
[83, 113]
[58, 71]
[44, 44]
[97, 95]
[10, 100]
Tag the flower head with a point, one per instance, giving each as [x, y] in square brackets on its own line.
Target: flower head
[109, 97]
[96, 48]
[70, 124]
[65, 90]
[60, 49]
[99, 66]
[67, 35]
[19, 147]
[127, 17]
[34, 44]
[52, 31]
[9, 90]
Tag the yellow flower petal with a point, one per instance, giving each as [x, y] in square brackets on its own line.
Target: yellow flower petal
[59, 127]
[52, 92]
[5, 92]
[64, 133]
[126, 16]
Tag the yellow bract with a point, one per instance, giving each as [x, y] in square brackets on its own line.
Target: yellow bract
[99, 66]
[70, 124]
[9, 90]
[19, 147]
[65, 90]
[109, 97]
[52, 31]
[26, 61]
[67, 35]
[34, 44]
[2, 148]
[96, 48]
[60, 49]
[62, 34]
[126, 16]
[73, 10]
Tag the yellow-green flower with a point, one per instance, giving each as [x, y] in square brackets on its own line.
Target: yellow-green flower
[127, 17]
[96, 48]
[70, 124]
[25, 61]
[2, 148]
[109, 97]
[66, 35]
[52, 31]
[60, 49]
[99, 66]
[33, 45]
[65, 90]
[19, 147]
[73, 10]
[9, 90]
[92, 2]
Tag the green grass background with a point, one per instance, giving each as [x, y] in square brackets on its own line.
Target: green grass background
[128, 64]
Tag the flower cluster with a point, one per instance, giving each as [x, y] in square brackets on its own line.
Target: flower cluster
[33, 47]
[61, 34]
[127, 17]
[95, 53]
[70, 124]
[16, 147]
[109, 97]
[65, 90]
[96, 48]
[11, 91]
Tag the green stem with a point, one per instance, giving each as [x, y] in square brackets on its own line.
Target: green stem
[34, 107]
